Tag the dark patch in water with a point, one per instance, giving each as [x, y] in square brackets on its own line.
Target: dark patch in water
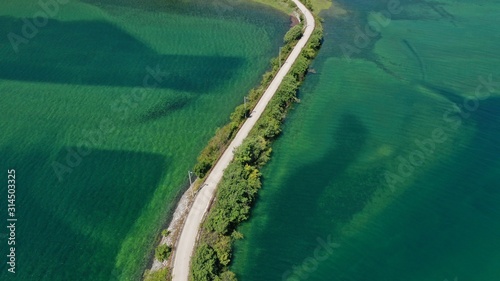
[345, 30]
[164, 108]
[99, 53]
[72, 221]
[228, 9]
[349, 141]
[446, 93]
[325, 191]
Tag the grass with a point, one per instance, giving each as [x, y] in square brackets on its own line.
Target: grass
[320, 5]
[281, 5]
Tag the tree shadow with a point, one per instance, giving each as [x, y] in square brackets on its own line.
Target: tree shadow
[164, 107]
[74, 229]
[99, 53]
[305, 188]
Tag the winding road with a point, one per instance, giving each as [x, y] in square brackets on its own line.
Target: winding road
[187, 239]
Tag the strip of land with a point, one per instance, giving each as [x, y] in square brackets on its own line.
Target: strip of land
[187, 240]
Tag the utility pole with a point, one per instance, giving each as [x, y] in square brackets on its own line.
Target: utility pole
[191, 183]
[190, 179]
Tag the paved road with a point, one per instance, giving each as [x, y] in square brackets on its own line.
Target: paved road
[187, 239]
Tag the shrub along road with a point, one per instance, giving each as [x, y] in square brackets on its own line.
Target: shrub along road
[187, 239]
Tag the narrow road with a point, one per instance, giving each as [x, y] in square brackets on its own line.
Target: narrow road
[187, 239]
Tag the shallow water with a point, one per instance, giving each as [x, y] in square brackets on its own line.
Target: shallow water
[377, 164]
[102, 114]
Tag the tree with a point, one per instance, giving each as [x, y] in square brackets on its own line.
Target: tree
[226, 276]
[223, 249]
[163, 252]
[308, 4]
[204, 264]
[293, 34]
[203, 166]
[300, 67]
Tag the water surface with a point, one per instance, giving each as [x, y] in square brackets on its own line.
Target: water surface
[102, 114]
[342, 172]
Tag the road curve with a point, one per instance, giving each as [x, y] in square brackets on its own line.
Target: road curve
[187, 239]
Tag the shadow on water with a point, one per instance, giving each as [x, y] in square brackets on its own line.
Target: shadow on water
[448, 219]
[82, 221]
[52, 250]
[481, 160]
[203, 8]
[445, 93]
[481, 148]
[164, 107]
[107, 181]
[349, 140]
[99, 53]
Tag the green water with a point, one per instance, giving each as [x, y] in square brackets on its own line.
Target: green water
[367, 116]
[99, 159]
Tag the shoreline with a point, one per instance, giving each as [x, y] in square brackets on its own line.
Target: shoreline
[192, 227]
[185, 201]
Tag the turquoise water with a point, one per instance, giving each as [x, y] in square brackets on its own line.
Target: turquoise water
[377, 176]
[102, 114]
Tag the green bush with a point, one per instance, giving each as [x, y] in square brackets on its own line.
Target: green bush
[270, 128]
[240, 113]
[162, 252]
[215, 148]
[226, 276]
[224, 135]
[308, 4]
[204, 264]
[316, 37]
[251, 151]
[293, 34]
[267, 77]
[300, 67]
[223, 250]
[203, 165]
[241, 181]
